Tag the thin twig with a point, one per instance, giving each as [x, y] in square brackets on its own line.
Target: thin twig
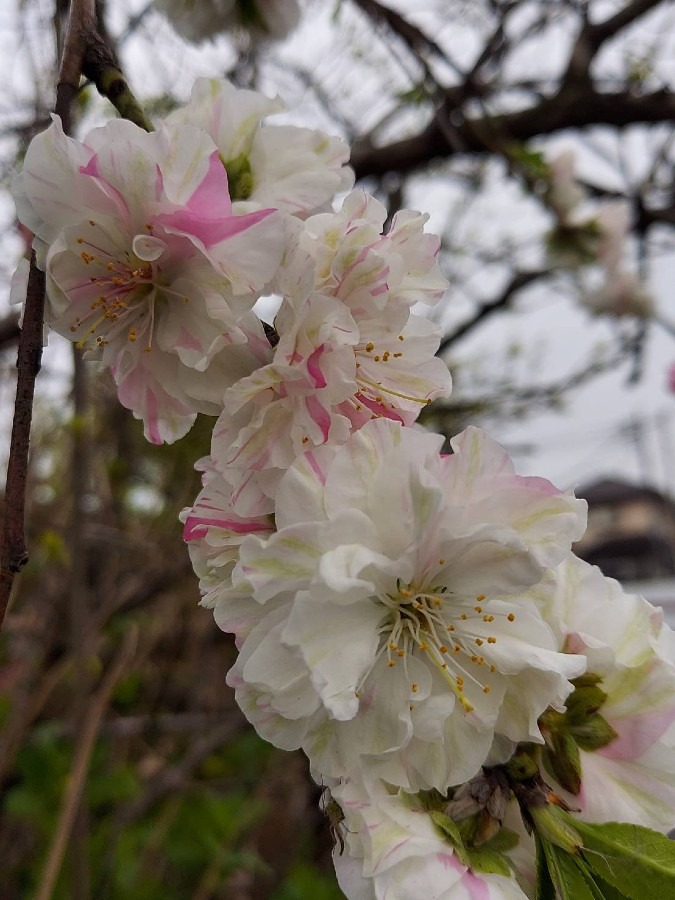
[84, 52]
[517, 282]
[13, 554]
[85, 746]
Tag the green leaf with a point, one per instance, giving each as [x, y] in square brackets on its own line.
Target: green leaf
[594, 733]
[487, 860]
[544, 889]
[568, 876]
[638, 862]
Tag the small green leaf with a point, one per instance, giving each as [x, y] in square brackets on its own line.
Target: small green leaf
[635, 860]
[544, 888]
[568, 875]
[555, 826]
[448, 827]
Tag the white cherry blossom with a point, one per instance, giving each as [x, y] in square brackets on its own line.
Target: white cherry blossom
[398, 632]
[296, 170]
[394, 851]
[623, 637]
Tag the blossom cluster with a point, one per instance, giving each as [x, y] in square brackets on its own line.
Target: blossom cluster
[414, 620]
[598, 239]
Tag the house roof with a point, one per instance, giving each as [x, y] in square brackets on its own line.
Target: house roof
[607, 491]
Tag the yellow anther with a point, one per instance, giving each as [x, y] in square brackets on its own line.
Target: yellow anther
[370, 346]
[479, 642]
[511, 617]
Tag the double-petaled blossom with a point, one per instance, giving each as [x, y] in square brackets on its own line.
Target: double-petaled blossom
[295, 170]
[147, 264]
[630, 776]
[213, 532]
[563, 191]
[397, 636]
[365, 268]
[393, 851]
[621, 294]
[349, 348]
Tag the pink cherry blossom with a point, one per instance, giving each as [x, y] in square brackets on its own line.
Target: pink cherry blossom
[147, 266]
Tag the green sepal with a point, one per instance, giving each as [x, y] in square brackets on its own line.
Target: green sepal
[239, 177]
[521, 767]
[486, 860]
[563, 762]
[588, 679]
[503, 841]
[448, 826]
[594, 733]
[584, 702]
[555, 826]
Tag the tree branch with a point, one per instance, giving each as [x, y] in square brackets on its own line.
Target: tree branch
[75, 782]
[518, 281]
[84, 52]
[593, 36]
[570, 108]
[9, 330]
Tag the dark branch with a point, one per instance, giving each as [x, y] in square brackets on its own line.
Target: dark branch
[518, 281]
[572, 108]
